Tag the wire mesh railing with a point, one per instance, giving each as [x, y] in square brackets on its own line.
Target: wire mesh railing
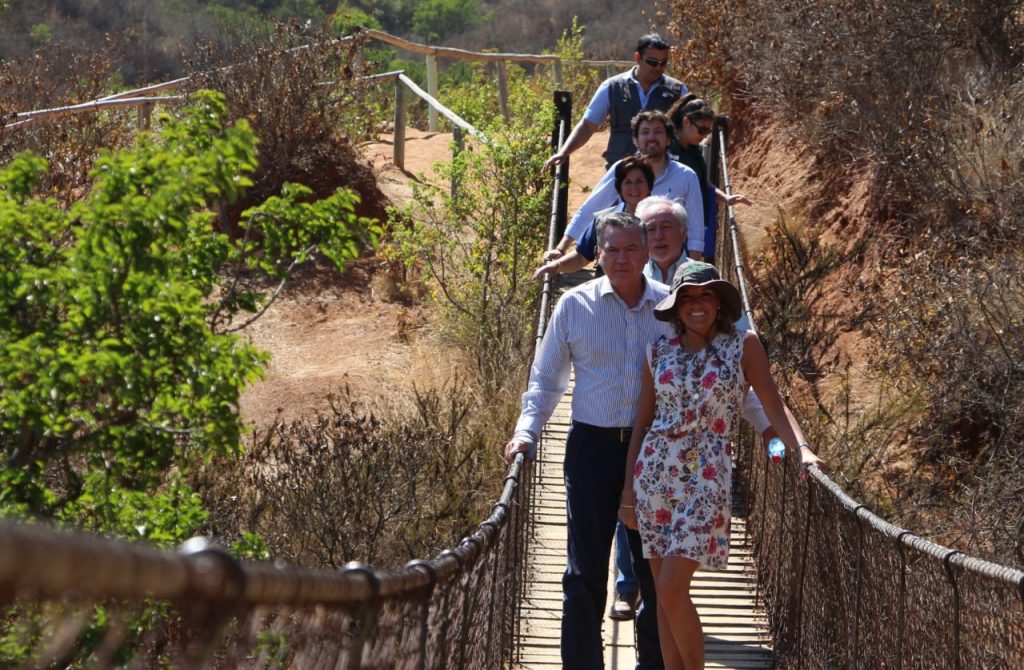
[843, 587]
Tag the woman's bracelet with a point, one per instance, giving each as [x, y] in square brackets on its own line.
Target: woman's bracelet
[804, 445]
[625, 505]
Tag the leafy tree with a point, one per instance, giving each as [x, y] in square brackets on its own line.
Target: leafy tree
[41, 34]
[118, 360]
[348, 19]
[236, 27]
[437, 19]
[394, 15]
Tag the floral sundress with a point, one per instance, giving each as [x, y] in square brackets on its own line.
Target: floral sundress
[683, 473]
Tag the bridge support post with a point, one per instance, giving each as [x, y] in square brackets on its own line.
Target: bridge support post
[459, 143]
[563, 123]
[901, 616]
[365, 621]
[855, 648]
[955, 614]
[145, 113]
[432, 90]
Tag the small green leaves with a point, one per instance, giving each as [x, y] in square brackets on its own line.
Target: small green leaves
[114, 362]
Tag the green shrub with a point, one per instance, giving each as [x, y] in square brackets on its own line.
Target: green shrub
[477, 232]
[114, 355]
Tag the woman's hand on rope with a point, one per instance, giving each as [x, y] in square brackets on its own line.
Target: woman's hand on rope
[809, 458]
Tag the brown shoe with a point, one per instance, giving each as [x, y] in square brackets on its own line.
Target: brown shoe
[624, 608]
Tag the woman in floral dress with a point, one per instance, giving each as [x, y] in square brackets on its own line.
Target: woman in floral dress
[678, 492]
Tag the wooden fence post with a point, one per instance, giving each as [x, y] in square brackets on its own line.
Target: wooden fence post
[145, 113]
[503, 90]
[432, 90]
[556, 71]
[398, 137]
[458, 136]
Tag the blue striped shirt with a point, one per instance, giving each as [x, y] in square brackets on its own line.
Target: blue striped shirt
[594, 332]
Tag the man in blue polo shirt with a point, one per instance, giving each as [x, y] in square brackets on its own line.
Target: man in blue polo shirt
[622, 97]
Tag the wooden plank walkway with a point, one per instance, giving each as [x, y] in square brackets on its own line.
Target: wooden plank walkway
[735, 631]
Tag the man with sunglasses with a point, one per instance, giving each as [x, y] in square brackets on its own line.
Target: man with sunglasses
[620, 98]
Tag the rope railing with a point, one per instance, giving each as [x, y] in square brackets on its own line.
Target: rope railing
[845, 588]
[74, 598]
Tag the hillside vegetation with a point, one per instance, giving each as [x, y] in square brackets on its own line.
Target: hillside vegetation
[911, 113]
[155, 41]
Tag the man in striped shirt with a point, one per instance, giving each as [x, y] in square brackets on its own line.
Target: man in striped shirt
[601, 329]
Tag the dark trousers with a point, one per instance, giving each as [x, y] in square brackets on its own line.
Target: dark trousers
[595, 461]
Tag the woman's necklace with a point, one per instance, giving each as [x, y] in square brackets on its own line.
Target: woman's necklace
[693, 392]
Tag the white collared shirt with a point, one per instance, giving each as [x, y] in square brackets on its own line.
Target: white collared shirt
[595, 333]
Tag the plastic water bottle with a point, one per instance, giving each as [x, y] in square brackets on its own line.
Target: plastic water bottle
[776, 450]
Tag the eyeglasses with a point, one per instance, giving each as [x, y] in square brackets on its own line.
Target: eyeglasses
[656, 62]
[701, 130]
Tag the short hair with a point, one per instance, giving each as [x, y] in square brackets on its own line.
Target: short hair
[622, 220]
[627, 165]
[651, 41]
[678, 211]
[690, 107]
[649, 115]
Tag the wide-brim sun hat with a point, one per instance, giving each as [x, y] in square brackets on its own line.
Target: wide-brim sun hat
[696, 273]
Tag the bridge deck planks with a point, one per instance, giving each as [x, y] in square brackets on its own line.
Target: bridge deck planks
[735, 631]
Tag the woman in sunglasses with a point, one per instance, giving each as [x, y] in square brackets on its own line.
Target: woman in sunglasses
[694, 118]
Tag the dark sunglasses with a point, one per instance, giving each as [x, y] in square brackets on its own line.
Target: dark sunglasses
[701, 130]
[655, 62]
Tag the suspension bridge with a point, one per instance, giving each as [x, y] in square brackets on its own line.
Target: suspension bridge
[817, 580]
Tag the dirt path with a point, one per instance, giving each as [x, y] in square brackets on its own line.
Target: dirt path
[324, 335]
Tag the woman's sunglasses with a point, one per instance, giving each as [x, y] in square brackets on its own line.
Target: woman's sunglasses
[701, 130]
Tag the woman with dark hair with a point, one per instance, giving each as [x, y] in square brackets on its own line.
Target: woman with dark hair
[677, 487]
[634, 180]
[694, 119]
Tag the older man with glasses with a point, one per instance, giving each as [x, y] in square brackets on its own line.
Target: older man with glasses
[644, 87]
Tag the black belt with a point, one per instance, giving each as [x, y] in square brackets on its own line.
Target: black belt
[618, 434]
